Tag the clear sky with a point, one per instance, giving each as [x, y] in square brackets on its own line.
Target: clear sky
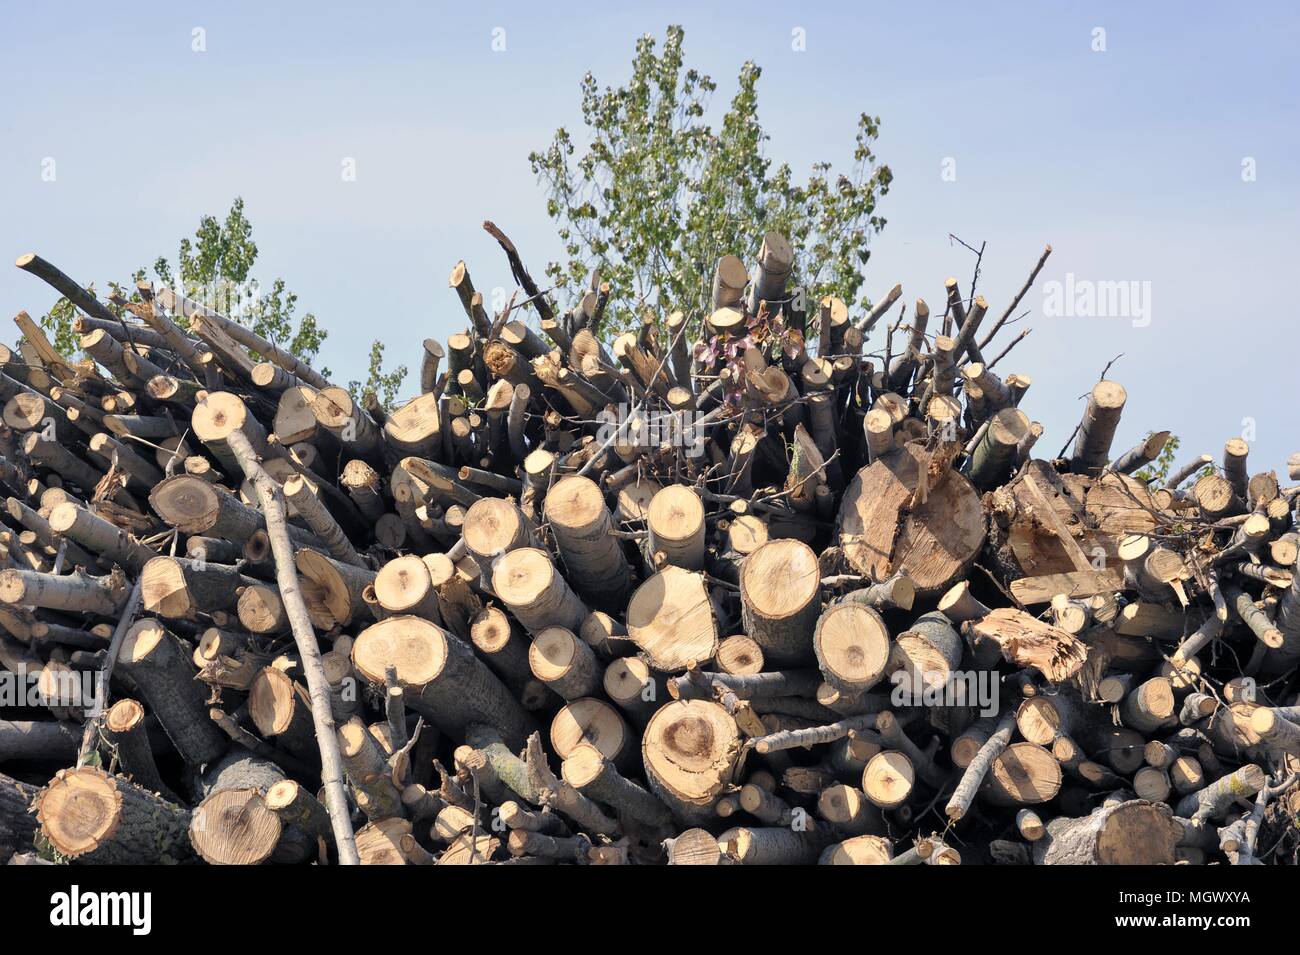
[1128, 160]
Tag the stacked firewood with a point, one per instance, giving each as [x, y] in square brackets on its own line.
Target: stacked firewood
[724, 588]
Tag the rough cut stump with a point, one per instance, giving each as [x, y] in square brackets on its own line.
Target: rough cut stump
[882, 528]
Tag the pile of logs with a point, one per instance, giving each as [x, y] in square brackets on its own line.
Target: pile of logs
[719, 589]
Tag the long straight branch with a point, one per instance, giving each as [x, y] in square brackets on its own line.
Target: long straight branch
[286, 574]
[1029, 283]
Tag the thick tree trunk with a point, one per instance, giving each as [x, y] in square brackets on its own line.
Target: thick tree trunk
[92, 817]
[37, 741]
[180, 588]
[403, 586]
[1024, 774]
[17, 824]
[564, 663]
[675, 521]
[165, 675]
[592, 555]
[281, 711]
[528, 583]
[885, 523]
[1135, 832]
[124, 729]
[592, 720]
[671, 619]
[690, 748]
[447, 681]
[336, 599]
[780, 593]
[233, 825]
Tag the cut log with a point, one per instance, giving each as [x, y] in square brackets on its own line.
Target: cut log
[368, 772]
[347, 422]
[1031, 643]
[403, 586]
[780, 593]
[99, 536]
[446, 681]
[17, 825]
[592, 720]
[234, 826]
[675, 520]
[336, 597]
[1150, 707]
[165, 675]
[564, 663]
[882, 529]
[1097, 430]
[505, 649]
[852, 647]
[860, 850]
[588, 771]
[775, 846]
[37, 741]
[281, 711]
[1024, 774]
[415, 427]
[670, 618]
[690, 748]
[888, 779]
[527, 582]
[583, 531]
[93, 817]
[1136, 832]
[124, 729]
[76, 592]
[179, 588]
[633, 687]
[740, 654]
[926, 656]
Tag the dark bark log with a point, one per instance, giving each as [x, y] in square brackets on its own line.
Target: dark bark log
[164, 674]
[1136, 832]
[124, 729]
[92, 817]
[690, 750]
[447, 682]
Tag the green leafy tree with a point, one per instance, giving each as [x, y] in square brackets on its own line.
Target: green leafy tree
[382, 384]
[58, 323]
[58, 320]
[1158, 470]
[215, 268]
[658, 194]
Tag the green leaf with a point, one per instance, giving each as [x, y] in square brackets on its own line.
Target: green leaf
[659, 194]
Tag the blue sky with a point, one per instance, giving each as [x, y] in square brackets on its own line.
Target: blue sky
[1128, 161]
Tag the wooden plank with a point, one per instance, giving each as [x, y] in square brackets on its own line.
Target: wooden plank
[1040, 590]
